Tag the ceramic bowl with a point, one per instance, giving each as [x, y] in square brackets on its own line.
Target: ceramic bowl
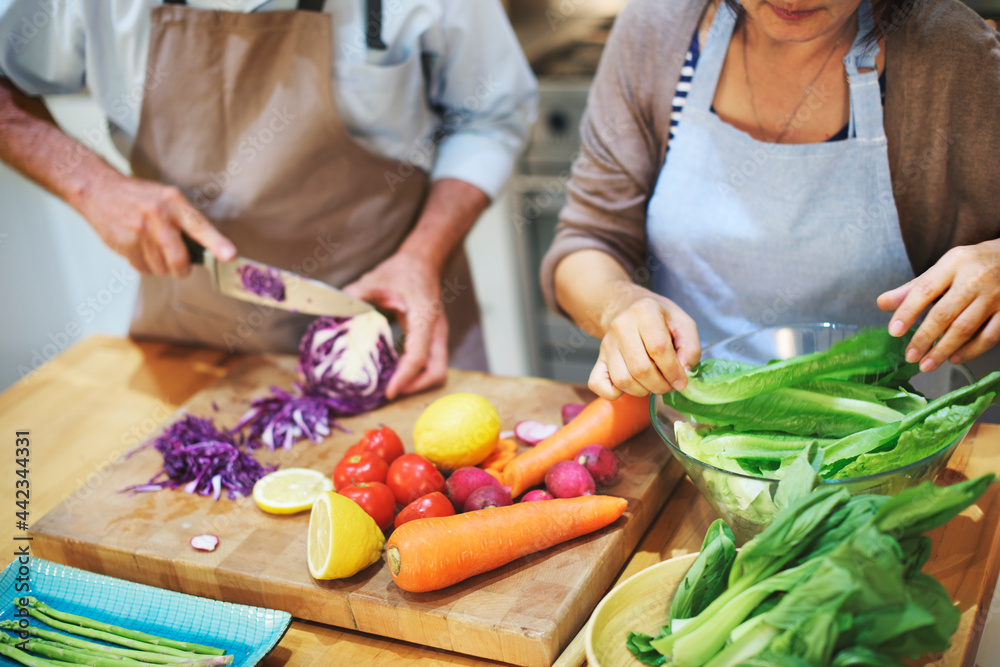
[638, 604]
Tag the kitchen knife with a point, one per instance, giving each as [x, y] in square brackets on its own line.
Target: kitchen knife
[289, 291]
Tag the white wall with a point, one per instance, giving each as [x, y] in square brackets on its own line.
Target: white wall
[61, 283]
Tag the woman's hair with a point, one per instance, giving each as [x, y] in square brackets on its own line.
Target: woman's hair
[887, 16]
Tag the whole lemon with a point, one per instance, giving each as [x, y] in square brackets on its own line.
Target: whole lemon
[457, 430]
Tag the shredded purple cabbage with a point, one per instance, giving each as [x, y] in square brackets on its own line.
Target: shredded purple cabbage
[349, 360]
[262, 282]
[204, 460]
[345, 363]
[283, 418]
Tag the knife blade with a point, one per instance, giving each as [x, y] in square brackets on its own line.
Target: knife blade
[289, 291]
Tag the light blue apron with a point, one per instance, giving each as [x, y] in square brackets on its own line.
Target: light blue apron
[744, 234]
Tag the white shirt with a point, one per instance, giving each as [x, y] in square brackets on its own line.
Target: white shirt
[452, 67]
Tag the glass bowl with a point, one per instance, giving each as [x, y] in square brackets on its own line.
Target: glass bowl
[746, 502]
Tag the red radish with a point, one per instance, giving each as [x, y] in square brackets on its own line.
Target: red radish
[600, 462]
[571, 410]
[464, 481]
[569, 479]
[537, 494]
[602, 422]
[533, 432]
[206, 542]
[487, 496]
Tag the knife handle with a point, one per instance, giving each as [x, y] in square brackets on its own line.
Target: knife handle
[196, 251]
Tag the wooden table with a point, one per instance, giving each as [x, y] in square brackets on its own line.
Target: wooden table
[102, 396]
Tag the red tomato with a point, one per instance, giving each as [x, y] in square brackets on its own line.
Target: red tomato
[382, 441]
[376, 500]
[364, 467]
[433, 504]
[411, 476]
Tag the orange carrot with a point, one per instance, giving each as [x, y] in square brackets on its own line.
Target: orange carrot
[504, 453]
[436, 552]
[602, 422]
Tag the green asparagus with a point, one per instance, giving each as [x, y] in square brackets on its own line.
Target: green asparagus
[133, 654]
[84, 622]
[26, 659]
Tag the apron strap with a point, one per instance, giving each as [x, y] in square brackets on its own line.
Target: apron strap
[373, 28]
[866, 120]
[711, 59]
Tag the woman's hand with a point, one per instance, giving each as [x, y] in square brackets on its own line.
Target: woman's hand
[410, 287]
[142, 221]
[965, 320]
[647, 341]
[648, 345]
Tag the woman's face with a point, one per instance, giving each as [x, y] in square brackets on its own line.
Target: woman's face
[800, 20]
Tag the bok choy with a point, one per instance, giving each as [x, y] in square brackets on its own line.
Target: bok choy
[835, 580]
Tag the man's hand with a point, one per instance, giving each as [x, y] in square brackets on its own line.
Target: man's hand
[142, 221]
[965, 320]
[409, 287]
[409, 282]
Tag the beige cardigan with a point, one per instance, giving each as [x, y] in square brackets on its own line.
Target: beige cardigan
[942, 121]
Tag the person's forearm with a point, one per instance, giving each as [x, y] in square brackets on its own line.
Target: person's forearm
[452, 207]
[591, 286]
[32, 143]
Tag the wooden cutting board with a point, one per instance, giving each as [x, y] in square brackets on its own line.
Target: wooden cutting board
[523, 613]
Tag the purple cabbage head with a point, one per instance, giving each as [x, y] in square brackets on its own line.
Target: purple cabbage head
[348, 360]
[262, 282]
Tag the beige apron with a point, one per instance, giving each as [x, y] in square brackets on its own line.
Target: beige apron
[242, 119]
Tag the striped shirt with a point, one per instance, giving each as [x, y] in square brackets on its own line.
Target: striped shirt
[684, 85]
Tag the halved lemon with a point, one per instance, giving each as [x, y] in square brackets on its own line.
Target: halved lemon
[343, 539]
[290, 490]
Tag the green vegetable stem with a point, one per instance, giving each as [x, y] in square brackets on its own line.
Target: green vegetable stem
[125, 646]
[111, 633]
[102, 656]
[133, 654]
[821, 409]
[833, 581]
[708, 575]
[67, 654]
[870, 351]
[755, 419]
[27, 659]
[921, 431]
